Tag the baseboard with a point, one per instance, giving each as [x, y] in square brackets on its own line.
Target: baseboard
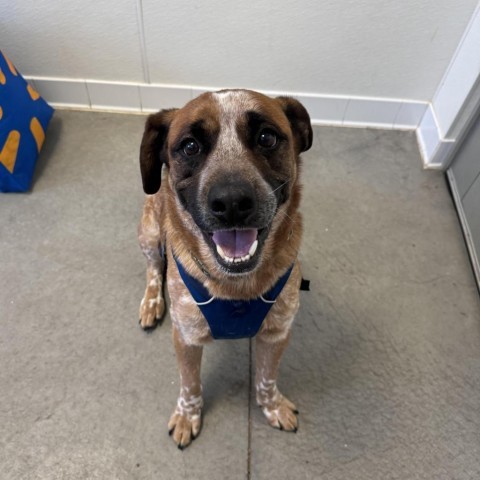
[146, 98]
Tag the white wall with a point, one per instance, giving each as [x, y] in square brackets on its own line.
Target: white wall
[382, 48]
[72, 38]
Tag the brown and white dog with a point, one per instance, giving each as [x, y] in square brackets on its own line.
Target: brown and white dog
[227, 209]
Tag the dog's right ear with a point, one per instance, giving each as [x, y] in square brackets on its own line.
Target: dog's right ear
[153, 149]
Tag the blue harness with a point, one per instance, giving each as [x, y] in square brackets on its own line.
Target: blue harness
[230, 319]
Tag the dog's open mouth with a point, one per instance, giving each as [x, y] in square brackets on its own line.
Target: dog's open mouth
[236, 246]
[237, 249]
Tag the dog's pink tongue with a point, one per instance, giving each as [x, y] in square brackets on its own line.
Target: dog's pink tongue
[235, 243]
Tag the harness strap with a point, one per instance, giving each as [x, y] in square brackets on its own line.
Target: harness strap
[231, 319]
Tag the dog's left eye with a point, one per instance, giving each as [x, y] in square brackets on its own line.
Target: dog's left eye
[267, 138]
[190, 147]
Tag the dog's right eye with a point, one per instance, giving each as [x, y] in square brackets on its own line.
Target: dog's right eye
[190, 147]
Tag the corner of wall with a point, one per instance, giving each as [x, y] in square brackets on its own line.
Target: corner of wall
[446, 117]
[434, 149]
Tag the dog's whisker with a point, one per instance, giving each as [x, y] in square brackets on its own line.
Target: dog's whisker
[287, 215]
[280, 186]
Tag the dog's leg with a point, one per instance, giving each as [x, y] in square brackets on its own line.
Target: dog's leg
[186, 420]
[280, 412]
[152, 306]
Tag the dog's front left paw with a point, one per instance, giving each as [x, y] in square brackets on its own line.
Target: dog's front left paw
[282, 415]
[184, 428]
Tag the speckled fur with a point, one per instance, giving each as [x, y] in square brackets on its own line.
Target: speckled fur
[166, 222]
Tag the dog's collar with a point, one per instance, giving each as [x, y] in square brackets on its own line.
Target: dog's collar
[231, 319]
[200, 265]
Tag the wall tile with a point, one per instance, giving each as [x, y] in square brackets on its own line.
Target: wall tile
[114, 96]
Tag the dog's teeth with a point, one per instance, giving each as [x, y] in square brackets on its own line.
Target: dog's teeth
[253, 248]
[220, 251]
[223, 255]
[235, 259]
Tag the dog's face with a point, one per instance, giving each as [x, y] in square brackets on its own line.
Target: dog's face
[233, 161]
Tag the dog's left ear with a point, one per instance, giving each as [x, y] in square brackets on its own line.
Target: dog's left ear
[153, 149]
[299, 122]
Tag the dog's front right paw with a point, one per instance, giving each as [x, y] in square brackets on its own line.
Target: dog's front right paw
[184, 428]
[152, 307]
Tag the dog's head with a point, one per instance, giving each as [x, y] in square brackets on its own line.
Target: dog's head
[233, 161]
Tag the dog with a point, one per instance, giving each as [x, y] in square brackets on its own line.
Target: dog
[221, 176]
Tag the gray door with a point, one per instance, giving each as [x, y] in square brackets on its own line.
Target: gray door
[464, 177]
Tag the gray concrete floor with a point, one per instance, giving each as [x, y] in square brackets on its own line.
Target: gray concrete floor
[384, 362]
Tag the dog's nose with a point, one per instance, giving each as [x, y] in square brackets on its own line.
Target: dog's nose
[232, 203]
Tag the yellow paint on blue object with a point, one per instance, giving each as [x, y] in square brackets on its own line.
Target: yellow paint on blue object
[33, 93]
[37, 132]
[2, 77]
[10, 65]
[8, 155]
[1, 113]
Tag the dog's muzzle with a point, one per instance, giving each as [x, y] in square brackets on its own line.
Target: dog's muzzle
[236, 223]
[234, 206]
